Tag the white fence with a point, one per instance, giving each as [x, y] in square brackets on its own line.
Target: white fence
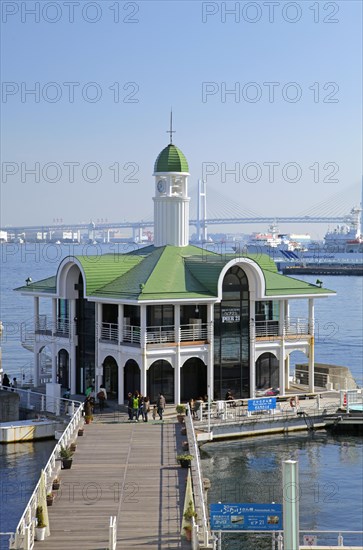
[23, 537]
[198, 489]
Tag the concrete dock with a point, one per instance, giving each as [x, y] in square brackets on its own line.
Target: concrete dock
[123, 469]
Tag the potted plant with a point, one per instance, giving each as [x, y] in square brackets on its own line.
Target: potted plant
[41, 525]
[180, 410]
[73, 446]
[88, 418]
[80, 431]
[184, 460]
[50, 498]
[56, 484]
[65, 454]
[188, 515]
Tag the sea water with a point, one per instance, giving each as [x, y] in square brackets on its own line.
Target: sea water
[338, 341]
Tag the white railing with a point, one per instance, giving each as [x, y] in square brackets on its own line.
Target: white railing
[109, 332]
[63, 327]
[236, 411]
[296, 326]
[160, 335]
[196, 471]
[23, 538]
[132, 334]
[332, 539]
[292, 326]
[190, 333]
[41, 403]
[112, 533]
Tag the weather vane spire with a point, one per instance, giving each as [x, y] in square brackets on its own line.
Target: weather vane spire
[171, 131]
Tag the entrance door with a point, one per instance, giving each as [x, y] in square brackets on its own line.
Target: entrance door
[160, 379]
[131, 377]
[63, 368]
[110, 377]
[193, 378]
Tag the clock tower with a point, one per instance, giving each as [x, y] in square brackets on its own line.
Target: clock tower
[171, 201]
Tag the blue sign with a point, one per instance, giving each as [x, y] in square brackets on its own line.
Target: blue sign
[246, 517]
[261, 404]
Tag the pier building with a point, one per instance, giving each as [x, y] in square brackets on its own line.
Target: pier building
[171, 317]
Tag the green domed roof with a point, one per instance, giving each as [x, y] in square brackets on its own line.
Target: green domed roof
[171, 159]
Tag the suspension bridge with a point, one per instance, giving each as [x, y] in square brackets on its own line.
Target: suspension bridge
[222, 211]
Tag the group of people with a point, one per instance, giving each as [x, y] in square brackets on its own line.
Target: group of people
[139, 406]
[7, 384]
[90, 400]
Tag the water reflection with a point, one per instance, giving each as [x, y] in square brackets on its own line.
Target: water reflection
[250, 470]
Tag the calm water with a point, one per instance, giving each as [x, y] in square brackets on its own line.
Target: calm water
[330, 473]
[338, 340]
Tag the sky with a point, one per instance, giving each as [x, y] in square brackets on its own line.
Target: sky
[266, 100]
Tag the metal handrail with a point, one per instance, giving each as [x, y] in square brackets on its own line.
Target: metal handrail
[198, 490]
[109, 331]
[23, 537]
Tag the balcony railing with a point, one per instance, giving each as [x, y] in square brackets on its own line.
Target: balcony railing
[292, 326]
[190, 333]
[160, 335]
[109, 332]
[132, 334]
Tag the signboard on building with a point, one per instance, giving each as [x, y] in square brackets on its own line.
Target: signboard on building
[261, 404]
[230, 314]
[246, 517]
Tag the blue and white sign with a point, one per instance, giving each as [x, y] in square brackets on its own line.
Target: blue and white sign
[261, 404]
[246, 517]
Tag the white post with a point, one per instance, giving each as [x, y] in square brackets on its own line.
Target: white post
[210, 365]
[311, 346]
[252, 346]
[291, 495]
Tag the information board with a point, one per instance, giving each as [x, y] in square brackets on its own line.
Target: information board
[261, 404]
[246, 517]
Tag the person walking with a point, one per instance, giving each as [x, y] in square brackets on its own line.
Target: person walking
[135, 406]
[160, 405]
[146, 409]
[15, 383]
[129, 404]
[6, 381]
[102, 397]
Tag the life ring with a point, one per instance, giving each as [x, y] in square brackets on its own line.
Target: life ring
[294, 401]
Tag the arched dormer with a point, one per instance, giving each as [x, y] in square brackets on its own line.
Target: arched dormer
[68, 274]
[254, 274]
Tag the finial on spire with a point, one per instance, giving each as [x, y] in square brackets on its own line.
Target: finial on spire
[171, 131]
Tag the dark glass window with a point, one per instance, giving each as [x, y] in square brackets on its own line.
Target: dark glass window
[231, 336]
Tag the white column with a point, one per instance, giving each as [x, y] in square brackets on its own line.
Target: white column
[282, 371]
[72, 355]
[143, 328]
[36, 351]
[311, 345]
[287, 372]
[121, 389]
[210, 364]
[291, 497]
[98, 321]
[252, 346]
[177, 367]
[53, 346]
[143, 376]
[311, 316]
[120, 322]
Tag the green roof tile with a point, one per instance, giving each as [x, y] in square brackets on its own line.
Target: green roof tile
[171, 159]
[170, 273]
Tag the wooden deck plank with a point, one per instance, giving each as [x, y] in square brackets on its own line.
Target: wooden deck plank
[123, 469]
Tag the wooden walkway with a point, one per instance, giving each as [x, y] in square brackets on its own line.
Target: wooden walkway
[121, 469]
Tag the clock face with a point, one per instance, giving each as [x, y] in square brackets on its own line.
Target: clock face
[161, 186]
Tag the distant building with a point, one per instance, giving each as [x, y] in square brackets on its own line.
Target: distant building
[171, 317]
